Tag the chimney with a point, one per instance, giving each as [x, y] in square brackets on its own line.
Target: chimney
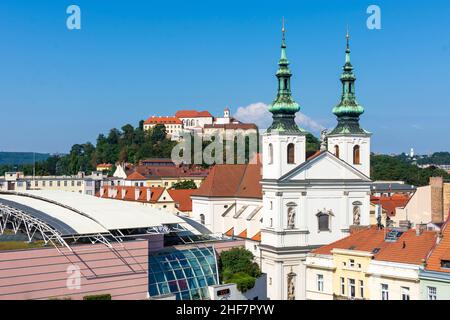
[137, 193]
[437, 201]
[149, 194]
[123, 193]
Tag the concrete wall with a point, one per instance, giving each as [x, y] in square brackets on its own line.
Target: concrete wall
[47, 273]
[418, 209]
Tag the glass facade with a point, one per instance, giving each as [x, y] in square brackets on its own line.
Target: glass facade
[185, 273]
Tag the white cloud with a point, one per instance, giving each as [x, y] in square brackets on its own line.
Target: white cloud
[259, 114]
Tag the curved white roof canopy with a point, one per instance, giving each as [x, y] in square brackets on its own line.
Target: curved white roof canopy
[68, 212]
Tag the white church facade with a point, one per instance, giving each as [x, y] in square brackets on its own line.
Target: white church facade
[310, 203]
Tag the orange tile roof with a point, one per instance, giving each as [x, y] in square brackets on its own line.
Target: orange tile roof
[441, 251]
[409, 248]
[130, 193]
[108, 165]
[182, 198]
[391, 203]
[232, 126]
[230, 232]
[135, 176]
[163, 120]
[242, 180]
[243, 234]
[257, 237]
[314, 155]
[193, 114]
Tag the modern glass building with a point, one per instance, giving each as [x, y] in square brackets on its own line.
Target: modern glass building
[186, 273]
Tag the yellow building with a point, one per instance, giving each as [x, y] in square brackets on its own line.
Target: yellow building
[372, 263]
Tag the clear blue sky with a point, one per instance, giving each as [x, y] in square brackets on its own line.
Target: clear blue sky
[133, 59]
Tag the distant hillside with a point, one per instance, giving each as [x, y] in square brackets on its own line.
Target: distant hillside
[19, 158]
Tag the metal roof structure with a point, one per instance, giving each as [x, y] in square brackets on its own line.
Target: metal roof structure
[56, 216]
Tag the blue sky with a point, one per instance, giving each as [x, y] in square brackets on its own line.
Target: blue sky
[133, 59]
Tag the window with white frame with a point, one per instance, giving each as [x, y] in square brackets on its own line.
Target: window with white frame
[405, 293]
[384, 292]
[361, 289]
[351, 288]
[432, 293]
[320, 282]
[342, 286]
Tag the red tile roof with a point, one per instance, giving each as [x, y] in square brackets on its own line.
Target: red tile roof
[232, 180]
[257, 237]
[182, 198]
[130, 193]
[230, 232]
[135, 176]
[163, 120]
[165, 171]
[441, 251]
[232, 126]
[409, 248]
[391, 203]
[243, 234]
[106, 165]
[193, 114]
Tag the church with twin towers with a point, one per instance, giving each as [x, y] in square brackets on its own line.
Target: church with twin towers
[310, 202]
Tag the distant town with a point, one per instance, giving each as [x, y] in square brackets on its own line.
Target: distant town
[303, 218]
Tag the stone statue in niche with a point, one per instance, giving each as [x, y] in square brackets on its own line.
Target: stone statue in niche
[291, 217]
[291, 286]
[356, 215]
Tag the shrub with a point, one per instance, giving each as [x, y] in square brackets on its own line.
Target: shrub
[237, 266]
[98, 297]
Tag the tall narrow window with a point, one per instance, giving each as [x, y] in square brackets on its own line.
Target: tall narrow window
[202, 219]
[270, 153]
[361, 289]
[336, 151]
[384, 292]
[342, 286]
[405, 293]
[291, 153]
[320, 282]
[351, 288]
[356, 155]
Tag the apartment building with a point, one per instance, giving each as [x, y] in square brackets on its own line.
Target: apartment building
[80, 183]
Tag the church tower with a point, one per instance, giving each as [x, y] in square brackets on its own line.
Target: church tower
[348, 141]
[284, 143]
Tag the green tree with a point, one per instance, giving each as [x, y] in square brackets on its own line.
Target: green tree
[186, 184]
[237, 266]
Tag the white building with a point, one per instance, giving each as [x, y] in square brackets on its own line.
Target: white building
[307, 204]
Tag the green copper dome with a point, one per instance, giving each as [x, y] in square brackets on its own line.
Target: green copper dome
[348, 110]
[284, 107]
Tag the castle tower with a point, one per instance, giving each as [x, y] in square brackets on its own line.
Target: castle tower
[348, 141]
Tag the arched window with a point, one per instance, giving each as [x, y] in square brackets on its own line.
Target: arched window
[356, 155]
[270, 153]
[323, 220]
[202, 219]
[291, 153]
[336, 151]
